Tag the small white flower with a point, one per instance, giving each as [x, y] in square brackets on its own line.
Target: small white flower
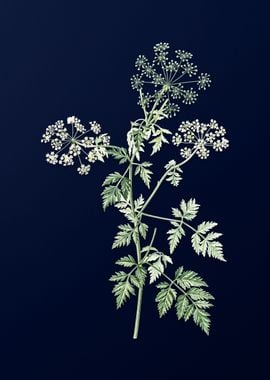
[66, 160]
[46, 137]
[71, 120]
[185, 152]
[210, 137]
[52, 158]
[91, 157]
[74, 150]
[88, 142]
[79, 127]
[56, 144]
[105, 139]
[83, 169]
[176, 139]
[220, 145]
[203, 153]
[95, 127]
[213, 124]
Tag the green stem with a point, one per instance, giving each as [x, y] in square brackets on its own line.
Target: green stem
[171, 220]
[138, 252]
[138, 314]
[162, 179]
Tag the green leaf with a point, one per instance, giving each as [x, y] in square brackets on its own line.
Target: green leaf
[213, 235]
[199, 294]
[141, 274]
[215, 250]
[189, 311]
[118, 153]
[123, 237]
[165, 298]
[144, 173]
[196, 243]
[175, 235]
[187, 279]
[155, 270]
[207, 245]
[204, 243]
[205, 227]
[143, 228]
[110, 195]
[159, 139]
[202, 304]
[118, 276]
[135, 281]
[122, 291]
[135, 139]
[126, 261]
[189, 209]
[112, 178]
[138, 203]
[181, 305]
[174, 173]
[201, 318]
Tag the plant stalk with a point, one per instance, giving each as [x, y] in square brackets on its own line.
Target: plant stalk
[138, 314]
[138, 251]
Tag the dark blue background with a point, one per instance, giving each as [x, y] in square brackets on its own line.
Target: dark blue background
[58, 318]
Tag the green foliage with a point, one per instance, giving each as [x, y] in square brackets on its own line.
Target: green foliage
[144, 172]
[143, 228]
[192, 300]
[165, 297]
[126, 261]
[157, 263]
[187, 210]
[187, 279]
[135, 138]
[123, 289]
[161, 83]
[116, 188]
[174, 173]
[205, 243]
[119, 153]
[159, 139]
[123, 236]
[175, 235]
[110, 195]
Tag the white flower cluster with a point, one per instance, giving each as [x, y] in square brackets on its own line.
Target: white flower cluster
[71, 143]
[200, 137]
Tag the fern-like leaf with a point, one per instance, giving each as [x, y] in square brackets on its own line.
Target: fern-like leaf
[110, 195]
[144, 172]
[126, 261]
[123, 237]
[165, 298]
[175, 235]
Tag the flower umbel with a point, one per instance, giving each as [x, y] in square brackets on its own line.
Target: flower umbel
[174, 77]
[201, 137]
[72, 143]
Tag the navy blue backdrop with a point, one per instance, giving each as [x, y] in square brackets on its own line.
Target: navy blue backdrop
[58, 318]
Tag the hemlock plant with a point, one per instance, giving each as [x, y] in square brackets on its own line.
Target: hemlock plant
[161, 84]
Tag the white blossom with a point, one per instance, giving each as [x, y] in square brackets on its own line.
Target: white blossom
[66, 160]
[72, 144]
[83, 169]
[91, 157]
[95, 127]
[52, 158]
[199, 137]
[185, 152]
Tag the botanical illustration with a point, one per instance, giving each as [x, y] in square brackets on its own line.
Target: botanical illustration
[162, 83]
